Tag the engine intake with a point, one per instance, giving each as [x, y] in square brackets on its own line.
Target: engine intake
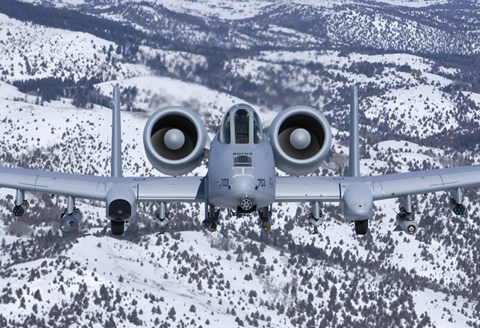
[174, 140]
[301, 139]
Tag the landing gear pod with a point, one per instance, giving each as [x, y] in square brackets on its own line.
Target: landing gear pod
[121, 206]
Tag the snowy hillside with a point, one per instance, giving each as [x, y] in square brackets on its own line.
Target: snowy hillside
[234, 10]
[420, 109]
[428, 27]
[32, 51]
[189, 269]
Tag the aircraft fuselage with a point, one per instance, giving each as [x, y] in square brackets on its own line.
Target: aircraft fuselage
[241, 174]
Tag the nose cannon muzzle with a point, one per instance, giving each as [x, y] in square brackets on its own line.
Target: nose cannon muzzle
[246, 204]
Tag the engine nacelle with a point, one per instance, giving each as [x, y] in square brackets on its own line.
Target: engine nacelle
[301, 139]
[174, 140]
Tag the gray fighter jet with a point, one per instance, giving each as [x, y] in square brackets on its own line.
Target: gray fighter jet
[242, 162]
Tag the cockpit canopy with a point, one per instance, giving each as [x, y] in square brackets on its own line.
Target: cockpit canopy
[241, 125]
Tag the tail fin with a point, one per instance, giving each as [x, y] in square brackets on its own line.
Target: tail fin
[354, 151]
[116, 171]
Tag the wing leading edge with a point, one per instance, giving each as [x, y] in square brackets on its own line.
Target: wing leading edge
[331, 189]
[166, 189]
[404, 184]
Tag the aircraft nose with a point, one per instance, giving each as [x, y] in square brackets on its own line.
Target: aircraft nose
[243, 184]
[243, 187]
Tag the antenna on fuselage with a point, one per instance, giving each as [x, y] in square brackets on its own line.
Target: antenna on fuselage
[354, 150]
[116, 171]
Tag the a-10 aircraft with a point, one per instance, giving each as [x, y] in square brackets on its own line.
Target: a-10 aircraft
[241, 171]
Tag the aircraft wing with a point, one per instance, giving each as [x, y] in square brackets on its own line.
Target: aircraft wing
[171, 189]
[75, 185]
[304, 189]
[330, 189]
[402, 184]
[180, 189]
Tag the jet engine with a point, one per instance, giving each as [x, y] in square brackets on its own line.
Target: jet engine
[174, 140]
[301, 139]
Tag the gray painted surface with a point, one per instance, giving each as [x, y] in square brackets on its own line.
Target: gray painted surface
[116, 135]
[354, 138]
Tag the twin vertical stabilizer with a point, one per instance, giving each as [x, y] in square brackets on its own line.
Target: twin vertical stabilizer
[354, 151]
[116, 171]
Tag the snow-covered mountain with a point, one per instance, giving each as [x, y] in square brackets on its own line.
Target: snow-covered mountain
[429, 27]
[419, 96]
